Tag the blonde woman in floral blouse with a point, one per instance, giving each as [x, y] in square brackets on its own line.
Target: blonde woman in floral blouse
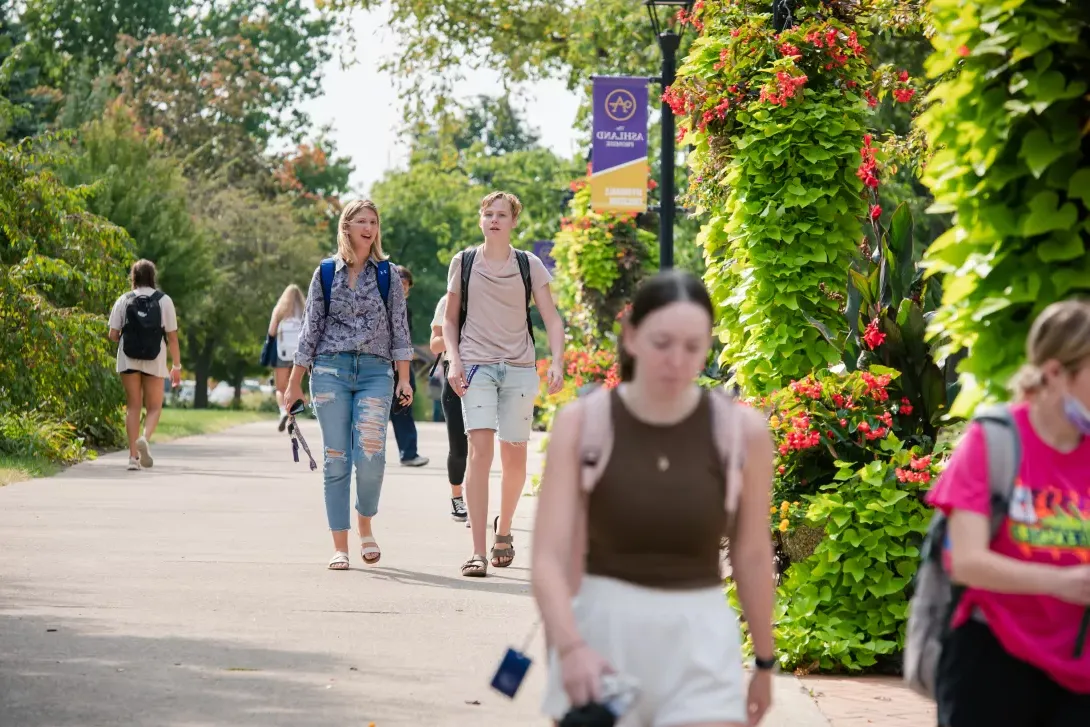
[351, 347]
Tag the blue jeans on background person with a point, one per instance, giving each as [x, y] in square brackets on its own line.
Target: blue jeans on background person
[351, 395]
[405, 428]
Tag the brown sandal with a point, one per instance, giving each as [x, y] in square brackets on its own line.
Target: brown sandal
[475, 567]
[502, 557]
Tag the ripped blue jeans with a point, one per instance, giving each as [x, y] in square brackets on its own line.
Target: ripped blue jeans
[351, 395]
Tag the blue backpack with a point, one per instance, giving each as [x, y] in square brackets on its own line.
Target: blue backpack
[329, 266]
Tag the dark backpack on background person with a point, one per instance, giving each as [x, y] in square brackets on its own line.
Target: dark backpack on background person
[142, 335]
[935, 597]
[523, 261]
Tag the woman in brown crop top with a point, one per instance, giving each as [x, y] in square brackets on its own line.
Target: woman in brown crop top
[650, 604]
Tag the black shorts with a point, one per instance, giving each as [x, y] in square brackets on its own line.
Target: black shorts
[979, 684]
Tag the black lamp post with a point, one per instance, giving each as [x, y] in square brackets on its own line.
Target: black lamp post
[669, 41]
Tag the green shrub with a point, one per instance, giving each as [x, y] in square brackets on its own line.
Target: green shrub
[61, 269]
[33, 435]
[844, 607]
[1009, 124]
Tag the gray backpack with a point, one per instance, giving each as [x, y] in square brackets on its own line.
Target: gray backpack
[935, 597]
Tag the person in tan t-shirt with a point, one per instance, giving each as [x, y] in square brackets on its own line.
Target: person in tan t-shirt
[492, 367]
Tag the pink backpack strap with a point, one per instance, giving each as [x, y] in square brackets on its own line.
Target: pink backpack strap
[727, 426]
[596, 437]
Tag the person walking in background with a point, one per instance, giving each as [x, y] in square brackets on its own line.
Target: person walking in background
[1019, 630]
[490, 344]
[401, 417]
[354, 326]
[284, 328]
[645, 578]
[458, 444]
[144, 324]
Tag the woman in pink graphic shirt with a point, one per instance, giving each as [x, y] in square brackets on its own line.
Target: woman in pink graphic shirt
[1010, 658]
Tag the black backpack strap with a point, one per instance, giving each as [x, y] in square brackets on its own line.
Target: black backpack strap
[1004, 446]
[467, 268]
[524, 270]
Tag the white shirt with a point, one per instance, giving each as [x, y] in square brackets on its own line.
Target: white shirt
[158, 366]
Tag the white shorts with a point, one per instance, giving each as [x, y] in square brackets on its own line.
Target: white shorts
[682, 647]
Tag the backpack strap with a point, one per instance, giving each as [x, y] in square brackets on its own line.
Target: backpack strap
[727, 426]
[467, 268]
[382, 275]
[1004, 448]
[326, 271]
[523, 261]
[596, 436]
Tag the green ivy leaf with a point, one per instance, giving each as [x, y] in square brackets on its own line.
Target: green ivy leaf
[1061, 246]
[1039, 151]
[1046, 215]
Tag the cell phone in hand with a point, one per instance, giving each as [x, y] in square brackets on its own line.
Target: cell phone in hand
[297, 408]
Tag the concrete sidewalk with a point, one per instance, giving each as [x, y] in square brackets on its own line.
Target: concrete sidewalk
[196, 593]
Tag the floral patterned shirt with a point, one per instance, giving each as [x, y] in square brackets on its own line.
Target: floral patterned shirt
[358, 320]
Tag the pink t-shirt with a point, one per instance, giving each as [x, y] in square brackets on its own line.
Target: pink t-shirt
[1048, 522]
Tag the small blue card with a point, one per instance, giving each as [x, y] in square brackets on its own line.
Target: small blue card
[511, 672]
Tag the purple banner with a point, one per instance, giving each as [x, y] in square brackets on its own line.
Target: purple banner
[619, 152]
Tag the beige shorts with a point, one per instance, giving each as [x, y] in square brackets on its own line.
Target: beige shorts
[501, 397]
[682, 647]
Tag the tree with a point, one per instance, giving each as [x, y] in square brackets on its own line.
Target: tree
[521, 39]
[260, 247]
[207, 96]
[61, 268]
[317, 179]
[138, 187]
[79, 39]
[23, 104]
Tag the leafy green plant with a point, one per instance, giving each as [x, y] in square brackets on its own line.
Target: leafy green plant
[776, 120]
[61, 268]
[1009, 121]
[844, 607]
[600, 259]
[33, 435]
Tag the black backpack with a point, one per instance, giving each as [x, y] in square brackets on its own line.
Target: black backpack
[142, 335]
[524, 270]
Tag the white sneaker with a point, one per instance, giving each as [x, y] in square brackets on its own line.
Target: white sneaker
[134, 463]
[145, 452]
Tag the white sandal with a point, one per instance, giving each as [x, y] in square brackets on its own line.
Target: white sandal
[339, 561]
[369, 550]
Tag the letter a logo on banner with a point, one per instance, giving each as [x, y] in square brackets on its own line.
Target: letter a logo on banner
[618, 180]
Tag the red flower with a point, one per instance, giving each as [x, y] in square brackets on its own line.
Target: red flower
[920, 464]
[652, 184]
[734, 33]
[904, 76]
[863, 427]
[872, 337]
[875, 212]
[964, 51]
[781, 469]
[872, 101]
[789, 50]
[838, 400]
[843, 422]
[904, 95]
[906, 409]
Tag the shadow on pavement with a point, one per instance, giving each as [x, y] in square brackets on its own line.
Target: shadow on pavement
[56, 671]
[491, 584]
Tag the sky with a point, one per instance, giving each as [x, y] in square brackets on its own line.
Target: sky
[361, 104]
